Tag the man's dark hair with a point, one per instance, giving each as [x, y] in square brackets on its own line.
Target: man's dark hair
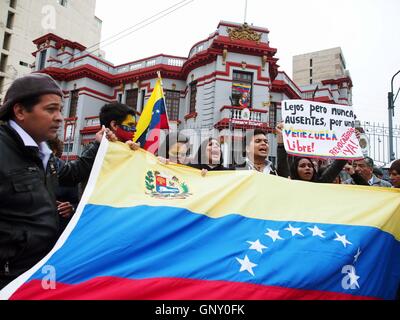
[56, 146]
[369, 162]
[27, 103]
[114, 112]
[251, 133]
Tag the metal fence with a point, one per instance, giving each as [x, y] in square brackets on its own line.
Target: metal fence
[377, 146]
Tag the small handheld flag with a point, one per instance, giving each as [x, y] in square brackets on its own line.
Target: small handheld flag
[153, 119]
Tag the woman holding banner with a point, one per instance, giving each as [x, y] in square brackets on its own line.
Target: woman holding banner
[303, 168]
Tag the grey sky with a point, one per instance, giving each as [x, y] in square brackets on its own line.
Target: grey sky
[368, 31]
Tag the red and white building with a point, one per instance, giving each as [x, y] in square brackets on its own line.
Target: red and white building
[200, 88]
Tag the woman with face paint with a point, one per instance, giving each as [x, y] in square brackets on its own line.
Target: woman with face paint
[120, 119]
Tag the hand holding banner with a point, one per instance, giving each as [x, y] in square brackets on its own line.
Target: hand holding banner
[319, 130]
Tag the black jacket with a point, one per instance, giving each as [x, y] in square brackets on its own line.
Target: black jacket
[29, 222]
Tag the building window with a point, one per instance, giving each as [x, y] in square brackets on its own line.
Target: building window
[13, 4]
[7, 40]
[142, 100]
[73, 106]
[3, 62]
[310, 81]
[242, 86]
[119, 97]
[68, 147]
[10, 20]
[193, 93]
[272, 115]
[311, 63]
[24, 64]
[1, 86]
[132, 98]
[63, 2]
[310, 73]
[42, 59]
[172, 99]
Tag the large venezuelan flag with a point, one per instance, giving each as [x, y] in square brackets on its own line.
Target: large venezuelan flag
[153, 119]
[145, 230]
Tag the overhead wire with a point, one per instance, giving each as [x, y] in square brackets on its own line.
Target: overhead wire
[136, 27]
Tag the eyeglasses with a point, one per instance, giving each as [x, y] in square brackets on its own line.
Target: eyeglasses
[131, 128]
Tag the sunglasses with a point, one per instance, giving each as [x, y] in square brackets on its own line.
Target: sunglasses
[131, 128]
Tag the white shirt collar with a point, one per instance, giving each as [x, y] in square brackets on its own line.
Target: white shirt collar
[267, 168]
[26, 138]
[371, 181]
[44, 150]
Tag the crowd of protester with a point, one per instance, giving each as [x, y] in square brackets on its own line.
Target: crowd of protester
[38, 190]
[209, 157]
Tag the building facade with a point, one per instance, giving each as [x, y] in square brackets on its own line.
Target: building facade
[314, 67]
[313, 71]
[204, 91]
[22, 21]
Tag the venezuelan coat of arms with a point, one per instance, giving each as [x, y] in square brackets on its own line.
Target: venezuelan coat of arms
[162, 186]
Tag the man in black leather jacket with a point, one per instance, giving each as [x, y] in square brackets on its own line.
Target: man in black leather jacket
[29, 224]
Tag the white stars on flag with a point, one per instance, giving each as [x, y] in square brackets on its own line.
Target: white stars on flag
[342, 239]
[294, 231]
[257, 245]
[273, 234]
[353, 278]
[246, 265]
[317, 232]
[357, 255]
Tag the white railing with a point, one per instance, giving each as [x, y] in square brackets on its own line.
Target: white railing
[137, 65]
[238, 114]
[93, 62]
[151, 63]
[200, 47]
[104, 67]
[175, 62]
[92, 122]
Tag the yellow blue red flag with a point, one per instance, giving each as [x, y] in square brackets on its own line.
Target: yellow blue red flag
[153, 119]
[145, 230]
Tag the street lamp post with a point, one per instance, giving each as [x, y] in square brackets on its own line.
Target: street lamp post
[391, 114]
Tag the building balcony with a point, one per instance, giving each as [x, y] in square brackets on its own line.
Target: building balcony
[91, 126]
[239, 113]
[242, 118]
